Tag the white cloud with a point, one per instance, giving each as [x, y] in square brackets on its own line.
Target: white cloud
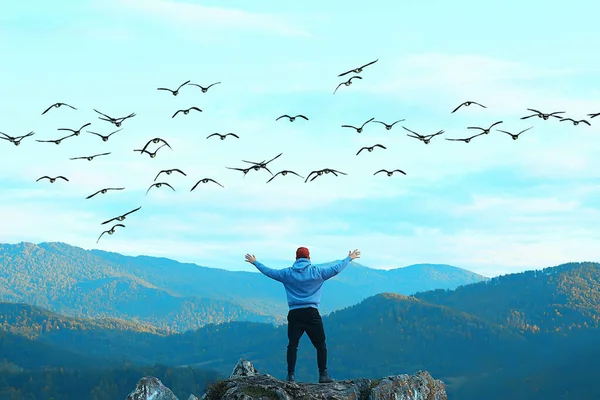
[199, 16]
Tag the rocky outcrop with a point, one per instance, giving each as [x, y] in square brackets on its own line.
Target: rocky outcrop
[246, 383]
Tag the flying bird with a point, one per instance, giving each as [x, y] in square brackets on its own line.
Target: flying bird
[466, 140]
[292, 119]
[16, 140]
[424, 138]
[56, 141]
[186, 112]
[370, 149]
[483, 130]
[244, 170]
[576, 122]
[467, 104]
[89, 158]
[155, 140]
[121, 217]
[323, 171]
[358, 130]
[359, 69]
[389, 126]
[110, 231]
[204, 89]
[543, 115]
[75, 132]
[347, 83]
[283, 173]
[222, 137]
[116, 121]
[105, 138]
[205, 180]
[159, 184]
[514, 136]
[152, 155]
[593, 115]
[103, 191]
[169, 171]
[390, 173]
[52, 180]
[57, 105]
[176, 91]
[262, 164]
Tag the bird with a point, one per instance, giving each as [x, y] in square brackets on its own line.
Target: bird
[389, 126]
[284, 173]
[347, 83]
[152, 155]
[424, 138]
[155, 140]
[89, 158]
[359, 69]
[370, 149]
[116, 121]
[576, 122]
[358, 130]
[121, 217]
[262, 164]
[222, 137]
[323, 171]
[57, 105]
[56, 141]
[103, 191]
[159, 184]
[466, 140]
[176, 91]
[105, 138]
[204, 89]
[110, 231]
[244, 170]
[593, 115]
[292, 119]
[205, 180]
[76, 132]
[390, 173]
[514, 136]
[169, 171]
[543, 115]
[467, 104]
[485, 131]
[186, 112]
[16, 140]
[52, 180]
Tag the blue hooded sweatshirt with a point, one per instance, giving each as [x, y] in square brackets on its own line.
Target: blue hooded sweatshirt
[303, 281]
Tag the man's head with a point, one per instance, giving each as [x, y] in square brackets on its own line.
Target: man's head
[302, 252]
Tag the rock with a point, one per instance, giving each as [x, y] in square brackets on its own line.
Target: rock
[246, 383]
[151, 388]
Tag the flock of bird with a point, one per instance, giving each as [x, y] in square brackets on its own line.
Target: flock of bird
[256, 166]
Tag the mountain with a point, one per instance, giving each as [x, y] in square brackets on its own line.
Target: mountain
[181, 296]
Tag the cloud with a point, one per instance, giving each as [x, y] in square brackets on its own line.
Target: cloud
[200, 16]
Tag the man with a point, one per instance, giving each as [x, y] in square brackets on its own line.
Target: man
[303, 282]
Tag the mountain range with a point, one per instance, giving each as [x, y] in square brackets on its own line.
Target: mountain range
[177, 296]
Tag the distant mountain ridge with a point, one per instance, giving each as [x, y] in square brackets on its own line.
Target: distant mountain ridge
[181, 296]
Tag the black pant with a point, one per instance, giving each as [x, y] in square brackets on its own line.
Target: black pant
[306, 320]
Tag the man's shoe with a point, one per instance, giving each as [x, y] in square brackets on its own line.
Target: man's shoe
[290, 378]
[324, 377]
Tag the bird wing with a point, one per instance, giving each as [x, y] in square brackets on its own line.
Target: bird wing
[361, 150]
[474, 136]
[593, 115]
[197, 183]
[94, 133]
[366, 122]
[285, 115]
[370, 63]
[380, 145]
[48, 109]
[77, 158]
[475, 127]
[338, 86]
[66, 137]
[566, 119]
[309, 175]
[405, 128]
[151, 186]
[349, 126]
[106, 222]
[345, 73]
[454, 140]
[178, 111]
[456, 109]
[183, 84]
[66, 129]
[101, 236]
[508, 133]
[165, 144]
[301, 116]
[524, 130]
[180, 171]
[379, 122]
[214, 134]
[92, 195]
[212, 180]
[103, 114]
[481, 105]
[274, 158]
[381, 170]
[132, 211]
[162, 88]
[115, 225]
[339, 172]
[45, 176]
[535, 111]
[399, 170]
[194, 108]
[354, 77]
[400, 120]
[292, 172]
[273, 177]
[529, 116]
[65, 104]
[233, 134]
[209, 86]
[88, 124]
[166, 184]
[494, 124]
[101, 154]
[585, 122]
[112, 133]
[62, 177]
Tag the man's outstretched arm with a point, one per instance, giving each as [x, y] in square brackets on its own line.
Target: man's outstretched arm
[276, 274]
[330, 272]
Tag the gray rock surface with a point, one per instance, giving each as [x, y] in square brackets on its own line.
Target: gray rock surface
[151, 388]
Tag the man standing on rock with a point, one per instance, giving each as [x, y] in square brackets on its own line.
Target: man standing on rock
[303, 282]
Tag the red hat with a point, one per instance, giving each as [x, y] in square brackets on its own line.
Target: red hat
[302, 252]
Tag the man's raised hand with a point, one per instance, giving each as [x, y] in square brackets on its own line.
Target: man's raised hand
[250, 258]
[354, 254]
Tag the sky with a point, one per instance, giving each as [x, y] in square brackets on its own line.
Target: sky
[493, 206]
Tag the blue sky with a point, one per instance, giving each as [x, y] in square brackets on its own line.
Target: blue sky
[493, 206]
